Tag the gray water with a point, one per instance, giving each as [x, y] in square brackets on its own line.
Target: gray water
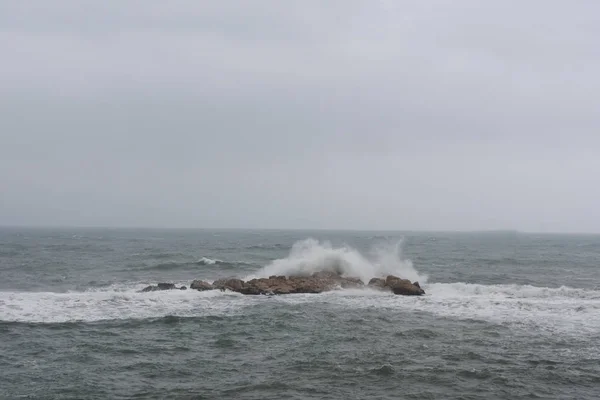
[506, 315]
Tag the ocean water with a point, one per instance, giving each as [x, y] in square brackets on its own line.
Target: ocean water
[506, 315]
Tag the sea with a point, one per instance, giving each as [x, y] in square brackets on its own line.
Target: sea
[506, 315]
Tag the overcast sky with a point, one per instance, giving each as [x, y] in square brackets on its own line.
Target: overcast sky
[428, 115]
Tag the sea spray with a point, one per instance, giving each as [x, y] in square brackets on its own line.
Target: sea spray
[309, 256]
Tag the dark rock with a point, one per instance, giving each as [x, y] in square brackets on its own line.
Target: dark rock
[392, 280]
[377, 283]
[326, 275]
[252, 290]
[233, 284]
[316, 283]
[166, 286]
[408, 290]
[201, 285]
[160, 286]
[271, 285]
[403, 286]
[351, 283]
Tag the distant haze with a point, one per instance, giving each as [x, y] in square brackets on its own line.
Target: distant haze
[402, 115]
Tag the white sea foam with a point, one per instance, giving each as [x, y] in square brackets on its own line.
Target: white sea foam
[118, 302]
[561, 310]
[208, 261]
[309, 256]
[564, 310]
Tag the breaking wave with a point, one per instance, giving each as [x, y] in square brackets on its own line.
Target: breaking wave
[561, 310]
[204, 261]
[309, 256]
[209, 261]
[118, 302]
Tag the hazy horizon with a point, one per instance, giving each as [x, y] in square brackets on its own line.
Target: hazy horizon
[445, 116]
[283, 229]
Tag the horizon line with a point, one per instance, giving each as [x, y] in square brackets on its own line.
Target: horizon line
[131, 227]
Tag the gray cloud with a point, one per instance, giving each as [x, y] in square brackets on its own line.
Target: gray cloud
[350, 114]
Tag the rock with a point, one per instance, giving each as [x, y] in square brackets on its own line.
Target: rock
[377, 283]
[272, 285]
[316, 283]
[160, 286]
[201, 285]
[278, 277]
[403, 286]
[233, 284]
[351, 283]
[392, 280]
[408, 290]
[166, 286]
[397, 285]
[325, 275]
[293, 284]
[252, 290]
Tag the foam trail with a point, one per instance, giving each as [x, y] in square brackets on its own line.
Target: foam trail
[309, 256]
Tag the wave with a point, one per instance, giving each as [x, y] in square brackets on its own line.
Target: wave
[208, 261]
[118, 302]
[274, 246]
[563, 310]
[204, 261]
[309, 256]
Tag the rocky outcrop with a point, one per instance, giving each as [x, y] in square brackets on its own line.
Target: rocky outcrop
[378, 283]
[397, 285]
[316, 283]
[162, 286]
[233, 284]
[201, 285]
[403, 286]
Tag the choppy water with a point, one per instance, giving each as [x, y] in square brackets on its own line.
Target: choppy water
[506, 315]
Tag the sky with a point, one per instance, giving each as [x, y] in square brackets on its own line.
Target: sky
[382, 115]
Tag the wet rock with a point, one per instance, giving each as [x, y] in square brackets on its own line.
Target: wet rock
[293, 284]
[408, 290]
[166, 286]
[351, 283]
[392, 280]
[159, 286]
[183, 288]
[201, 285]
[403, 286]
[316, 283]
[312, 284]
[271, 285]
[279, 277]
[326, 275]
[377, 283]
[233, 284]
